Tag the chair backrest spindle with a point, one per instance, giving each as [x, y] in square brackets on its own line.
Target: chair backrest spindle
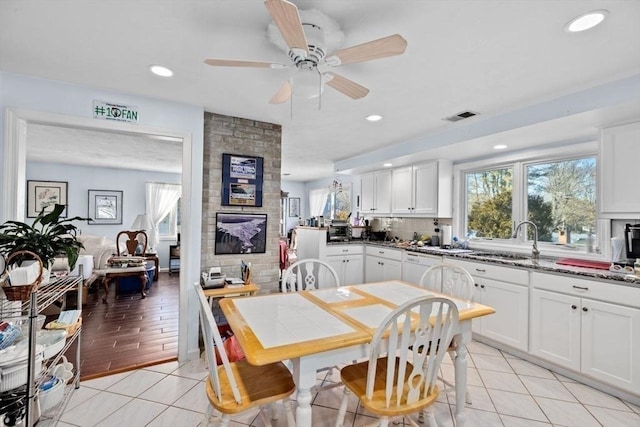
[211, 336]
[418, 334]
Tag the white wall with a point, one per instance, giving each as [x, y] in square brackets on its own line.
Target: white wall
[23, 92]
[81, 179]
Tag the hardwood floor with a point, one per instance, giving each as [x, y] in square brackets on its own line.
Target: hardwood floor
[129, 332]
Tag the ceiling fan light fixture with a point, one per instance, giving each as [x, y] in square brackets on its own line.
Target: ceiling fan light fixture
[374, 117]
[586, 21]
[160, 70]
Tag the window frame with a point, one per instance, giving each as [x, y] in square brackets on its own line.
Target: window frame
[519, 162]
[172, 235]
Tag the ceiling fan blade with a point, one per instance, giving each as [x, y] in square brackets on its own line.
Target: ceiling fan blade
[283, 94]
[237, 63]
[375, 49]
[350, 88]
[287, 18]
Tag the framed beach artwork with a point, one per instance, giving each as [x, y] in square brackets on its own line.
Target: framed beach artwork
[105, 207]
[242, 178]
[241, 233]
[44, 195]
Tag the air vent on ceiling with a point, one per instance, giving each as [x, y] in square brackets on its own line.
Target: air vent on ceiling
[460, 116]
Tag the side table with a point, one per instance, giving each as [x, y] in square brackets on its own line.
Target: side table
[156, 261]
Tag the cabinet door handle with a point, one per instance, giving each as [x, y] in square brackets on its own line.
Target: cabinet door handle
[381, 252]
[475, 284]
[482, 286]
[585, 309]
[481, 270]
[347, 260]
[573, 307]
[584, 288]
[345, 250]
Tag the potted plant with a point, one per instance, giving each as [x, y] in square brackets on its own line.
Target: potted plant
[47, 237]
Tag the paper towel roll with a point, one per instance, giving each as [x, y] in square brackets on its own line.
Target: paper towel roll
[617, 249]
[446, 235]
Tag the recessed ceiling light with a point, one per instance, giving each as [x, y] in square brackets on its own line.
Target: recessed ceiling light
[499, 147]
[387, 165]
[374, 118]
[161, 71]
[586, 21]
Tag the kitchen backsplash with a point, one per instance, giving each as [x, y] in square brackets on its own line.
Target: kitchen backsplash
[404, 228]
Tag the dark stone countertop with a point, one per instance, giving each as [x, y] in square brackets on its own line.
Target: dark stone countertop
[544, 264]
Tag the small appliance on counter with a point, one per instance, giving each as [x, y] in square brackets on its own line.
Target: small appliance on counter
[632, 240]
[338, 231]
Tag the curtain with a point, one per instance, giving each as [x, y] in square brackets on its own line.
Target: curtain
[317, 200]
[161, 199]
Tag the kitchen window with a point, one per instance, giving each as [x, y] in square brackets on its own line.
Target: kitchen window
[561, 201]
[557, 192]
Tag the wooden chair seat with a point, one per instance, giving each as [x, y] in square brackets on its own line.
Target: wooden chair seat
[354, 377]
[234, 387]
[258, 385]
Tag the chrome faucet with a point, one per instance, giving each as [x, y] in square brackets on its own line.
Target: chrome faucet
[535, 253]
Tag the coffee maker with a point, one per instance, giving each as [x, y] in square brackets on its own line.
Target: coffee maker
[632, 241]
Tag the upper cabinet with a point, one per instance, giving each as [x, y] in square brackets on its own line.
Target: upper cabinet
[619, 192]
[375, 193]
[423, 190]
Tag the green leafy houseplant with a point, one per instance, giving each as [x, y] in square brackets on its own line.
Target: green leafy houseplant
[48, 236]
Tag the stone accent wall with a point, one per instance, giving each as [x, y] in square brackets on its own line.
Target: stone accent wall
[232, 135]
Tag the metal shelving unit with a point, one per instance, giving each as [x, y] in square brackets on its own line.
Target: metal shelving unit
[43, 297]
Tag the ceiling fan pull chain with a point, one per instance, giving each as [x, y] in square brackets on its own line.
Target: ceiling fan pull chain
[319, 91]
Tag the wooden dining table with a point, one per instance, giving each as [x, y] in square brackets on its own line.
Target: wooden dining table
[321, 328]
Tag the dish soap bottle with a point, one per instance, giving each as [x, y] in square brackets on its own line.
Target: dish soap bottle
[636, 267]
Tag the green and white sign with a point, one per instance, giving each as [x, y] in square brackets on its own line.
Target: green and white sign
[120, 113]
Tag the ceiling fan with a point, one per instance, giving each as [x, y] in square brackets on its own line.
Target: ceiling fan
[305, 42]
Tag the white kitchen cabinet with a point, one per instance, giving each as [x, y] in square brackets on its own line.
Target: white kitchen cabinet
[415, 264]
[375, 193]
[382, 264]
[555, 328]
[350, 268]
[619, 174]
[425, 189]
[347, 260]
[507, 291]
[597, 337]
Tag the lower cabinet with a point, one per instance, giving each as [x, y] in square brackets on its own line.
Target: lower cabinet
[510, 323]
[349, 268]
[597, 338]
[382, 264]
[507, 291]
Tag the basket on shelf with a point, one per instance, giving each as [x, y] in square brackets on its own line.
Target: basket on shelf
[21, 292]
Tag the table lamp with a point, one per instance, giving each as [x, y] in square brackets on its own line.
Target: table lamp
[143, 223]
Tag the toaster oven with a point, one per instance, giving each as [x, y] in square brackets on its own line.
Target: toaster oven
[338, 231]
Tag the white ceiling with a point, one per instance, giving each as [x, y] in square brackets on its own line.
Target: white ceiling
[487, 56]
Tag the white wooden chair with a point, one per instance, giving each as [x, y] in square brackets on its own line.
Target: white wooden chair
[309, 274]
[235, 387]
[452, 280]
[415, 337]
[448, 279]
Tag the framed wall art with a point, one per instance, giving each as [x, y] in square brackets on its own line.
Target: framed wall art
[241, 233]
[45, 194]
[294, 207]
[105, 207]
[242, 178]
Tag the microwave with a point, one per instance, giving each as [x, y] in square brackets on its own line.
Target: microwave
[338, 231]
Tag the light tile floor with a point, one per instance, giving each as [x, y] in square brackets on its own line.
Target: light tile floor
[506, 392]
